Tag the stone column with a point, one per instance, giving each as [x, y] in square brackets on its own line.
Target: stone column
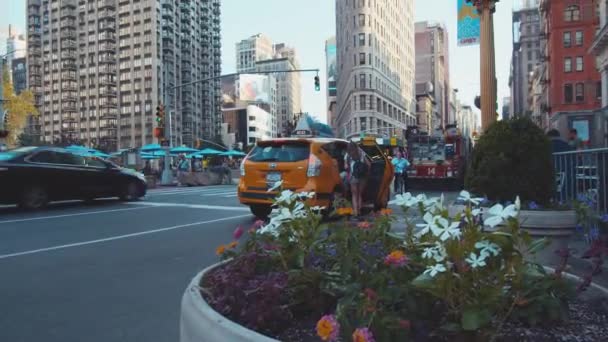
[604, 86]
[486, 9]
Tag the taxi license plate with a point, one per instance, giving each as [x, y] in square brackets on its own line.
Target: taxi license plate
[273, 177]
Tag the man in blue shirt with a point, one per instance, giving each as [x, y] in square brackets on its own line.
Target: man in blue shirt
[401, 164]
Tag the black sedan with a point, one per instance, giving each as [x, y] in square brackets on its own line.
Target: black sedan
[33, 176]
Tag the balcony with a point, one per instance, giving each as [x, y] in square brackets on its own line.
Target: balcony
[106, 4]
[33, 4]
[69, 66]
[108, 114]
[35, 51]
[109, 104]
[108, 69]
[107, 59]
[106, 81]
[68, 54]
[107, 36]
[69, 107]
[107, 26]
[69, 87]
[107, 47]
[107, 92]
[68, 33]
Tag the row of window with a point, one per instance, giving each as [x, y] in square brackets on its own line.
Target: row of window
[575, 92]
[578, 39]
[568, 64]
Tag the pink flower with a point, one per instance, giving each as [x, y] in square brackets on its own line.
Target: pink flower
[238, 232]
[258, 224]
[396, 258]
[363, 335]
[364, 225]
[328, 328]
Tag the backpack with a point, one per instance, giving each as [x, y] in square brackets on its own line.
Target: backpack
[360, 169]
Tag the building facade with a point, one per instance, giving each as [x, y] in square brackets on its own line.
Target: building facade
[247, 124]
[526, 53]
[574, 88]
[600, 50]
[332, 78]
[255, 48]
[99, 69]
[16, 47]
[375, 58]
[432, 66]
[19, 74]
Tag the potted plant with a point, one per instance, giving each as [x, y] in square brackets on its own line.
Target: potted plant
[513, 158]
[446, 279]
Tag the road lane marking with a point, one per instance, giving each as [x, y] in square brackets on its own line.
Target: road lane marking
[118, 237]
[69, 215]
[230, 196]
[191, 192]
[219, 193]
[191, 206]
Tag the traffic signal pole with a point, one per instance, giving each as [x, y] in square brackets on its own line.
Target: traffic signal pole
[167, 175]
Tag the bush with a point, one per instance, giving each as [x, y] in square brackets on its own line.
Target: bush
[512, 158]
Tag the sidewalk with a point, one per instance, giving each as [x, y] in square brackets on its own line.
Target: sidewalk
[581, 267]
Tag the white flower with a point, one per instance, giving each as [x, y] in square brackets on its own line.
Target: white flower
[429, 253]
[287, 197]
[433, 203]
[498, 214]
[439, 225]
[311, 194]
[437, 253]
[475, 212]
[426, 227]
[488, 247]
[475, 261]
[276, 186]
[317, 208]
[405, 200]
[466, 197]
[434, 270]
[421, 198]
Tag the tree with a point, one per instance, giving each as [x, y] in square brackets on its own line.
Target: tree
[26, 139]
[18, 108]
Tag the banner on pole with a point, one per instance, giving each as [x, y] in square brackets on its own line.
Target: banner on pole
[468, 24]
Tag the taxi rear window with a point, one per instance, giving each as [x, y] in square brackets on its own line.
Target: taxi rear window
[290, 151]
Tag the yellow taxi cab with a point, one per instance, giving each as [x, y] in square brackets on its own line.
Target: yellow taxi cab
[306, 164]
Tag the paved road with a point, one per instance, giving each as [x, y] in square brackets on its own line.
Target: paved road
[110, 271]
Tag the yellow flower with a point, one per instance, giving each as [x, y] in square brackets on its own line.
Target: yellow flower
[386, 211]
[328, 328]
[220, 250]
[233, 244]
[344, 211]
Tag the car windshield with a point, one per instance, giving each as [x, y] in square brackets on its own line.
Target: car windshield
[280, 152]
[10, 154]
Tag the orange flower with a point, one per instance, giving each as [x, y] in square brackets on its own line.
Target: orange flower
[396, 258]
[233, 244]
[221, 249]
[386, 211]
[364, 225]
[344, 211]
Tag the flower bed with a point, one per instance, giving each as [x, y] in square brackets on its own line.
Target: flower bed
[444, 279]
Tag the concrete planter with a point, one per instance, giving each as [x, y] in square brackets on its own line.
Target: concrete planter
[557, 225]
[200, 323]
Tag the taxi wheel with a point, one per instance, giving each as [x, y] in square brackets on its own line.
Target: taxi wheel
[261, 211]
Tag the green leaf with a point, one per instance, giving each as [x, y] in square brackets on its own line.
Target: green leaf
[424, 281]
[502, 234]
[538, 245]
[475, 318]
[400, 237]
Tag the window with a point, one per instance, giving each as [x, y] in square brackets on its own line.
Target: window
[529, 54]
[361, 39]
[579, 38]
[568, 93]
[362, 81]
[580, 92]
[579, 63]
[362, 102]
[567, 39]
[598, 90]
[361, 20]
[572, 13]
[567, 64]
[44, 157]
[362, 58]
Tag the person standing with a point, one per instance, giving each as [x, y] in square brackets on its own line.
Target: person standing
[401, 164]
[574, 141]
[358, 170]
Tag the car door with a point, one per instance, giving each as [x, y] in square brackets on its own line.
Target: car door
[103, 177]
[76, 176]
[43, 168]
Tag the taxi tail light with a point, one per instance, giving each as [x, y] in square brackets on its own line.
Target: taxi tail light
[243, 167]
[314, 166]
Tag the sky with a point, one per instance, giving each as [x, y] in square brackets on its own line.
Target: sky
[305, 25]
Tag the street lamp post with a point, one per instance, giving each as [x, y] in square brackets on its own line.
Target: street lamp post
[486, 9]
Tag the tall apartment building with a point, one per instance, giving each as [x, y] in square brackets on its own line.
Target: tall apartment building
[255, 48]
[332, 78]
[526, 53]
[99, 69]
[375, 44]
[574, 89]
[433, 66]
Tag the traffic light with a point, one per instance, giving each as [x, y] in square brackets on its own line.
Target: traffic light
[317, 83]
[160, 115]
[478, 102]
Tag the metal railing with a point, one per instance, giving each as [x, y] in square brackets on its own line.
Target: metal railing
[582, 174]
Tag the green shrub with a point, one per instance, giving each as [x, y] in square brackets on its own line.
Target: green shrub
[512, 158]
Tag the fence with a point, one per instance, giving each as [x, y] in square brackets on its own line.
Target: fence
[583, 173]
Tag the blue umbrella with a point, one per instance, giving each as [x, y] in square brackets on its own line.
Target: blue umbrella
[77, 148]
[151, 148]
[150, 157]
[209, 152]
[232, 153]
[183, 149]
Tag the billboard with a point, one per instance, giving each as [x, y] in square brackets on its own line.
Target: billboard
[330, 52]
[255, 88]
[228, 91]
[468, 24]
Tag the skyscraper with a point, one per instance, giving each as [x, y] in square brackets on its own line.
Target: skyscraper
[375, 45]
[332, 78]
[433, 66]
[15, 47]
[248, 51]
[99, 69]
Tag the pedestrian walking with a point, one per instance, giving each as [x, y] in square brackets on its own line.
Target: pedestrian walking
[401, 164]
[358, 171]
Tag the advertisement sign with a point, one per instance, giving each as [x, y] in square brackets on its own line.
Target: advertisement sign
[228, 91]
[254, 88]
[331, 68]
[468, 24]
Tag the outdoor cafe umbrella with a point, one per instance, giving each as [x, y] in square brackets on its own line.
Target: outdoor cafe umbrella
[232, 153]
[81, 149]
[209, 152]
[151, 148]
[183, 149]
